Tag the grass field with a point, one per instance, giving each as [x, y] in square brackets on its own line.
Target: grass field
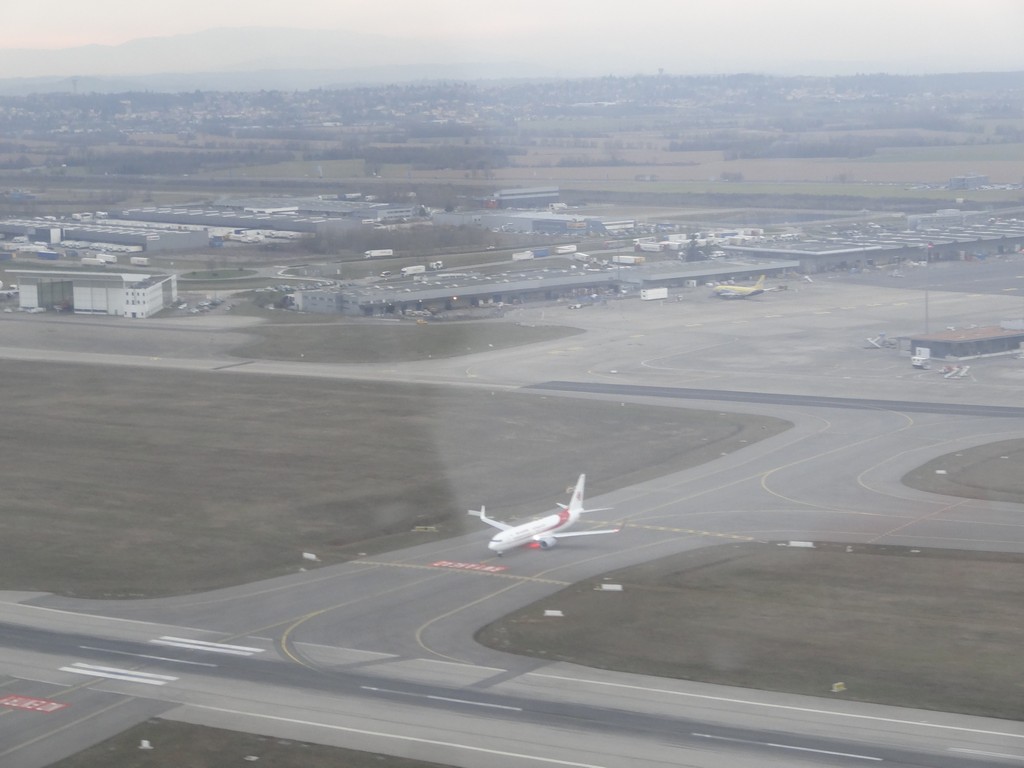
[931, 629]
[989, 472]
[131, 482]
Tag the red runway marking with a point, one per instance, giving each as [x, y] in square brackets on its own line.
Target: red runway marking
[469, 566]
[36, 705]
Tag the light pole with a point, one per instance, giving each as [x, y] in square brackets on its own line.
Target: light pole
[927, 281]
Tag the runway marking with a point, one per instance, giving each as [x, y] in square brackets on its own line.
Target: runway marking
[440, 698]
[113, 673]
[787, 746]
[919, 519]
[669, 529]
[146, 656]
[986, 754]
[35, 705]
[770, 705]
[469, 566]
[285, 640]
[204, 645]
[431, 567]
[400, 737]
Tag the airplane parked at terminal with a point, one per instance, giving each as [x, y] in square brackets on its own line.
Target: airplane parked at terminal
[545, 532]
[739, 291]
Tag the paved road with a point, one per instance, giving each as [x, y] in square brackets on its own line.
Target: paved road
[378, 653]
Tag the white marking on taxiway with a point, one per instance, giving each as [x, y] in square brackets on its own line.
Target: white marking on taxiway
[204, 645]
[769, 705]
[401, 737]
[146, 656]
[787, 746]
[441, 698]
[128, 675]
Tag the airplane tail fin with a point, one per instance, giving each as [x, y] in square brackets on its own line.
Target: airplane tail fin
[575, 504]
[760, 282]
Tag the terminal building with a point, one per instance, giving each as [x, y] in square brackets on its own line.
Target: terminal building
[450, 291]
[96, 293]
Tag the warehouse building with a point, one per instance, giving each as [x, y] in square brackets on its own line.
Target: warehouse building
[523, 197]
[105, 233]
[96, 293]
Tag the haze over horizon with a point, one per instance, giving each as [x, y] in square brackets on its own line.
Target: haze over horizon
[52, 38]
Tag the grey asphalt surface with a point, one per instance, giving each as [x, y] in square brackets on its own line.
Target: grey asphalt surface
[388, 639]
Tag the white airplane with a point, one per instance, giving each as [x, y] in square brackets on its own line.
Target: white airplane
[545, 532]
[739, 291]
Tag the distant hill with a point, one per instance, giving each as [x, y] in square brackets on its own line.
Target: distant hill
[261, 58]
[249, 58]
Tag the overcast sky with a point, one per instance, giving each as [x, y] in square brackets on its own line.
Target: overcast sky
[610, 37]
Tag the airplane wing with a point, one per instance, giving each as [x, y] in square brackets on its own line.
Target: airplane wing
[481, 513]
[585, 511]
[585, 532]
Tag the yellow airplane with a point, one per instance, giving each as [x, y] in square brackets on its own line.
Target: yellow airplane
[739, 291]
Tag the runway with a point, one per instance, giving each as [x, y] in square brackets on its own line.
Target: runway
[378, 654]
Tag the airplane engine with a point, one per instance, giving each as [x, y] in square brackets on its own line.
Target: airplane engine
[547, 543]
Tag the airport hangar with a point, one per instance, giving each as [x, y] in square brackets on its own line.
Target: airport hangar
[96, 293]
[971, 343]
[439, 292]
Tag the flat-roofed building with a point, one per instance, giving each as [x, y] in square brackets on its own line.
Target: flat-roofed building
[96, 293]
[971, 343]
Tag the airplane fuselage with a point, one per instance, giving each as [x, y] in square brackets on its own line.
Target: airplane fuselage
[543, 533]
[535, 530]
[735, 295]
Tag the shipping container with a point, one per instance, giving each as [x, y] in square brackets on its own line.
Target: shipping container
[379, 252]
[539, 253]
[648, 247]
[650, 294]
[522, 255]
[48, 255]
[565, 249]
[92, 261]
[139, 261]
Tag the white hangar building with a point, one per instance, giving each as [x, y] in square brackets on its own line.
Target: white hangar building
[96, 293]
